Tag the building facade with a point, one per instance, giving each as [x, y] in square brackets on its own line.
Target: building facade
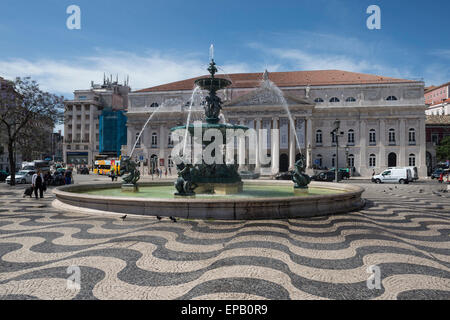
[81, 126]
[382, 120]
[438, 128]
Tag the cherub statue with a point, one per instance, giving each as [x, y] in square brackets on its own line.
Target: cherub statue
[129, 167]
[301, 179]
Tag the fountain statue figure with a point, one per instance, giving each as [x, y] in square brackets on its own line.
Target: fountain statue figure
[299, 177]
[184, 184]
[129, 167]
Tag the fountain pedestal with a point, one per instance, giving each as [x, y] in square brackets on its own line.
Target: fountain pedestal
[301, 191]
[130, 188]
[220, 188]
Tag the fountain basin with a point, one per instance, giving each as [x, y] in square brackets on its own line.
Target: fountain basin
[336, 198]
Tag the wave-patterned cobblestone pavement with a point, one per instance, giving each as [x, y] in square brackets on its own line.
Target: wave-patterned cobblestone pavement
[404, 231]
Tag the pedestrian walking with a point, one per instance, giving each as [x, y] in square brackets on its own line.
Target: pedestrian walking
[113, 174]
[68, 177]
[37, 182]
[160, 173]
[165, 173]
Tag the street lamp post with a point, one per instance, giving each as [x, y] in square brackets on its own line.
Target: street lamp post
[336, 135]
[347, 159]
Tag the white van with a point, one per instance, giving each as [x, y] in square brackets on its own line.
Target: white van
[414, 172]
[394, 175]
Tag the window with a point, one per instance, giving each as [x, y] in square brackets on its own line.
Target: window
[69, 147]
[154, 140]
[372, 161]
[154, 105]
[391, 98]
[351, 161]
[435, 138]
[392, 136]
[170, 142]
[334, 100]
[319, 137]
[372, 137]
[351, 136]
[412, 136]
[318, 100]
[350, 99]
[170, 162]
[333, 161]
[138, 140]
[412, 160]
[333, 137]
[319, 160]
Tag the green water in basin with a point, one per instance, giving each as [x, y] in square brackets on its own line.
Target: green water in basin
[250, 191]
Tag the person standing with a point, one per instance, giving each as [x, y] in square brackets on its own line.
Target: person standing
[113, 174]
[68, 177]
[37, 182]
[165, 172]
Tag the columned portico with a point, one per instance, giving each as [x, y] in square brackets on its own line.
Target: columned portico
[275, 146]
[258, 146]
[292, 144]
[309, 142]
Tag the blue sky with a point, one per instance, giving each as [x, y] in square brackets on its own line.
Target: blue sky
[159, 41]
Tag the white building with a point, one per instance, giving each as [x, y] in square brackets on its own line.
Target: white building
[382, 119]
[81, 119]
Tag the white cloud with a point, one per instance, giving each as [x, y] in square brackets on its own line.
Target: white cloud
[65, 76]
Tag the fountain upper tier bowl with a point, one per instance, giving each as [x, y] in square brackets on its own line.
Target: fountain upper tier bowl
[223, 127]
[262, 199]
[212, 84]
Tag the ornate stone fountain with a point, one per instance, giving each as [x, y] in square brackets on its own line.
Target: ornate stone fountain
[209, 178]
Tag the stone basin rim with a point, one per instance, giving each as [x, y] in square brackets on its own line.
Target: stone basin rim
[73, 192]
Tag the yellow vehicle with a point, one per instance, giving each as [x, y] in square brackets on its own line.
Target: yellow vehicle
[104, 167]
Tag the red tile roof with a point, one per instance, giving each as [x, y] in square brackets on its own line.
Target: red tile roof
[286, 79]
[433, 88]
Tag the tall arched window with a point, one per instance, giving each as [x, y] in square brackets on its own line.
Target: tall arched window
[372, 161]
[138, 139]
[334, 100]
[412, 136]
[154, 140]
[392, 136]
[170, 141]
[351, 136]
[351, 160]
[412, 160]
[319, 137]
[319, 160]
[372, 137]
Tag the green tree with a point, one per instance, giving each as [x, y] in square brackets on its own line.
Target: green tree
[23, 105]
[443, 150]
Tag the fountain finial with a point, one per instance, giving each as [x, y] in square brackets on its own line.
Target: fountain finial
[212, 68]
[266, 75]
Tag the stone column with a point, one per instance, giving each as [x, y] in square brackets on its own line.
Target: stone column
[83, 118]
[275, 147]
[241, 146]
[309, 142]
[162, 143]
[258, 149]
[292, 144]
[363, 147]
[382, 142]
[402, 153]
[422, 163]
[92, 124]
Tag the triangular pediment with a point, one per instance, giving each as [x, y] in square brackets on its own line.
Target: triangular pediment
[266, 96]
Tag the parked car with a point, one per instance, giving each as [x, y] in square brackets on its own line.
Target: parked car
[83, 170]
[22, 177]
[248, 175]
[437, 173]
[328, 176]
[396, 175]
[284, 176]
[3, 175]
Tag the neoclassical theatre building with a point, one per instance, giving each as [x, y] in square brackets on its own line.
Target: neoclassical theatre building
[382, 120]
